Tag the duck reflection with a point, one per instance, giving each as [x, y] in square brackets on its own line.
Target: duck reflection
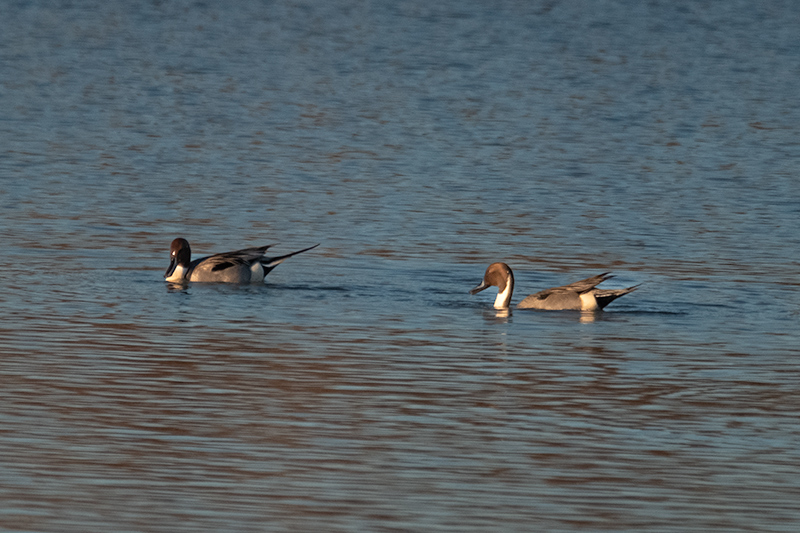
[498, 316]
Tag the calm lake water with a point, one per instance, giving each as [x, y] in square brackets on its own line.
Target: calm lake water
[361, 388]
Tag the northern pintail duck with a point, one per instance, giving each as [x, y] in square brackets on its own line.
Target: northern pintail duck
[242, 266]
[579, 296]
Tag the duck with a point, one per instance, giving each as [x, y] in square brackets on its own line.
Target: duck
[579, 296]
[249, 265]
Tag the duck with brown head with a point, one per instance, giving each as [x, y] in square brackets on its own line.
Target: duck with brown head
[249, 265]
[579, 296]
[498, 275]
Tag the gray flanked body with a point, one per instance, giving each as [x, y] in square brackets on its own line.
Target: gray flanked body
[579, 296]
[249, 265]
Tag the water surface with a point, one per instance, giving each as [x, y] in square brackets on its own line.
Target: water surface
[361, 388]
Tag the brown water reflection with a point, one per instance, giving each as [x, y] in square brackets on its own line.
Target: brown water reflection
[201, 424]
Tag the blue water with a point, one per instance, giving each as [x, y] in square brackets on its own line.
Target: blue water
[361, 388]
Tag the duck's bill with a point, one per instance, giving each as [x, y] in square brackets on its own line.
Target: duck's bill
[479, 288]
[171, 268]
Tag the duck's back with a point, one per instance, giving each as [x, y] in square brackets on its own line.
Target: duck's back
[232, 273]
[242, 266]
[553, 301]
[576, 296]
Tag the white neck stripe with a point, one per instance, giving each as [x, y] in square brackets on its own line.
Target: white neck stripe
[503, 298]
[178, 273]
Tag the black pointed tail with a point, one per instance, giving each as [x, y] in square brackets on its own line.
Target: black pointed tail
[271, 262]
[606, 296]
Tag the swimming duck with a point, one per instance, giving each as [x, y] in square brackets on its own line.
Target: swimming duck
[579, 296]
[242, 266]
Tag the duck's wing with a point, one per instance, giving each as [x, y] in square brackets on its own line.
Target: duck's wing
[579, 287]
[227, 260]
